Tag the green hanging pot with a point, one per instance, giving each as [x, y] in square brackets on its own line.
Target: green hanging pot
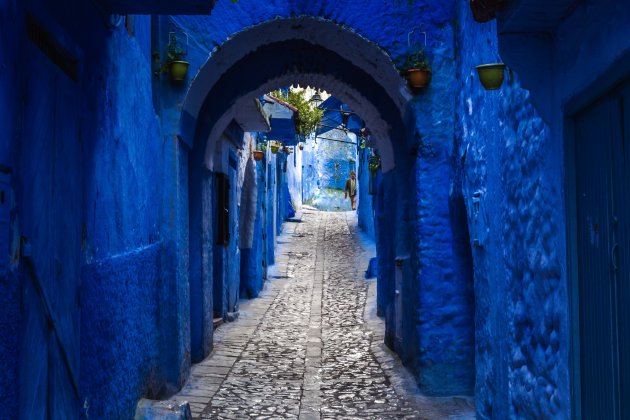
[179, 70]
[374, 164]
[274, 146]
[492, 75]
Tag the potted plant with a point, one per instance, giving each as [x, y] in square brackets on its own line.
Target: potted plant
[374, 163]
[491, 75]
[308, 117]
[258, 155]
[275, 146]
[416, 69]
[175, 55]
[301, 145]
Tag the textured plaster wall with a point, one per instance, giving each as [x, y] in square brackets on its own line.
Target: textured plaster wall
[294, 178]
[253, 265]
[438, 322]
[523, 352]
[282, 191]
[366, 191]
[130, 302]
[511, 160]
[127, 316]
[120, 345]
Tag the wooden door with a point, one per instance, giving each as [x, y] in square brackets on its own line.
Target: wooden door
[621, 251]
[50, 191]
[602, 207]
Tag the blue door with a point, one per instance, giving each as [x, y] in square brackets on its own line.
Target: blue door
[602, 201]
[50, 222]
[621, 256]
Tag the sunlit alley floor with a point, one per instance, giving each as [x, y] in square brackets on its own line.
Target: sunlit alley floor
[310, 346]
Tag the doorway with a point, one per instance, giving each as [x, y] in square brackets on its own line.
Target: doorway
[601, 282]
[50, 159]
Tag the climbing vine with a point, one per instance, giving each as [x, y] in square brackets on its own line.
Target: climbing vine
[310, 117]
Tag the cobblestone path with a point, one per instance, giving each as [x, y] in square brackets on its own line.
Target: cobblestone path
[303, 349]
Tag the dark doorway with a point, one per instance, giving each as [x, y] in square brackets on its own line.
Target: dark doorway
[222, 240]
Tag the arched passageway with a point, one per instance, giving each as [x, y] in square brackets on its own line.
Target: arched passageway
[109, 256]
[310, 52]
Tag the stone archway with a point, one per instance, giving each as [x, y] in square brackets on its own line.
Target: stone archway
[319, 53]
[272, 40]
[305, 51]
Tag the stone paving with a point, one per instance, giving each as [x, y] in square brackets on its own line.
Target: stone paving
[310, 347]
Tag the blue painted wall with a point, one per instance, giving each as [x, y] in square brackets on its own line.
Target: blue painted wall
[253, 262]
[120, 190]
[139, 184]
[331, 162]
[134, 164]
[367, 188]
[524, 330]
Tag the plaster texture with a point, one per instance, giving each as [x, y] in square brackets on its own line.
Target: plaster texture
[515, 227]
[109, 168]
[367, 190]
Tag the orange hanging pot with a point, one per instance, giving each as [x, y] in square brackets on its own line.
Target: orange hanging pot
[258, 155]
[418, 78]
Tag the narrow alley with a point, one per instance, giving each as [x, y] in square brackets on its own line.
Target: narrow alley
[314, 209]
[311, 345]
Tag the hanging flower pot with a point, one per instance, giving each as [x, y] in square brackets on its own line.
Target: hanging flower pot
[258, 155]
[418, 78]
[415, 66]
[374, 163]
[179, 70]
[491, 75]
[301, 146]
[275, 146]
[176, 51]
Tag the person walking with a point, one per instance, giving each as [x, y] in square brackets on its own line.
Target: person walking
[351, 190]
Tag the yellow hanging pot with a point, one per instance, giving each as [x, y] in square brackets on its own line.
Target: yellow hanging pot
[492, 75]
[179, 70]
